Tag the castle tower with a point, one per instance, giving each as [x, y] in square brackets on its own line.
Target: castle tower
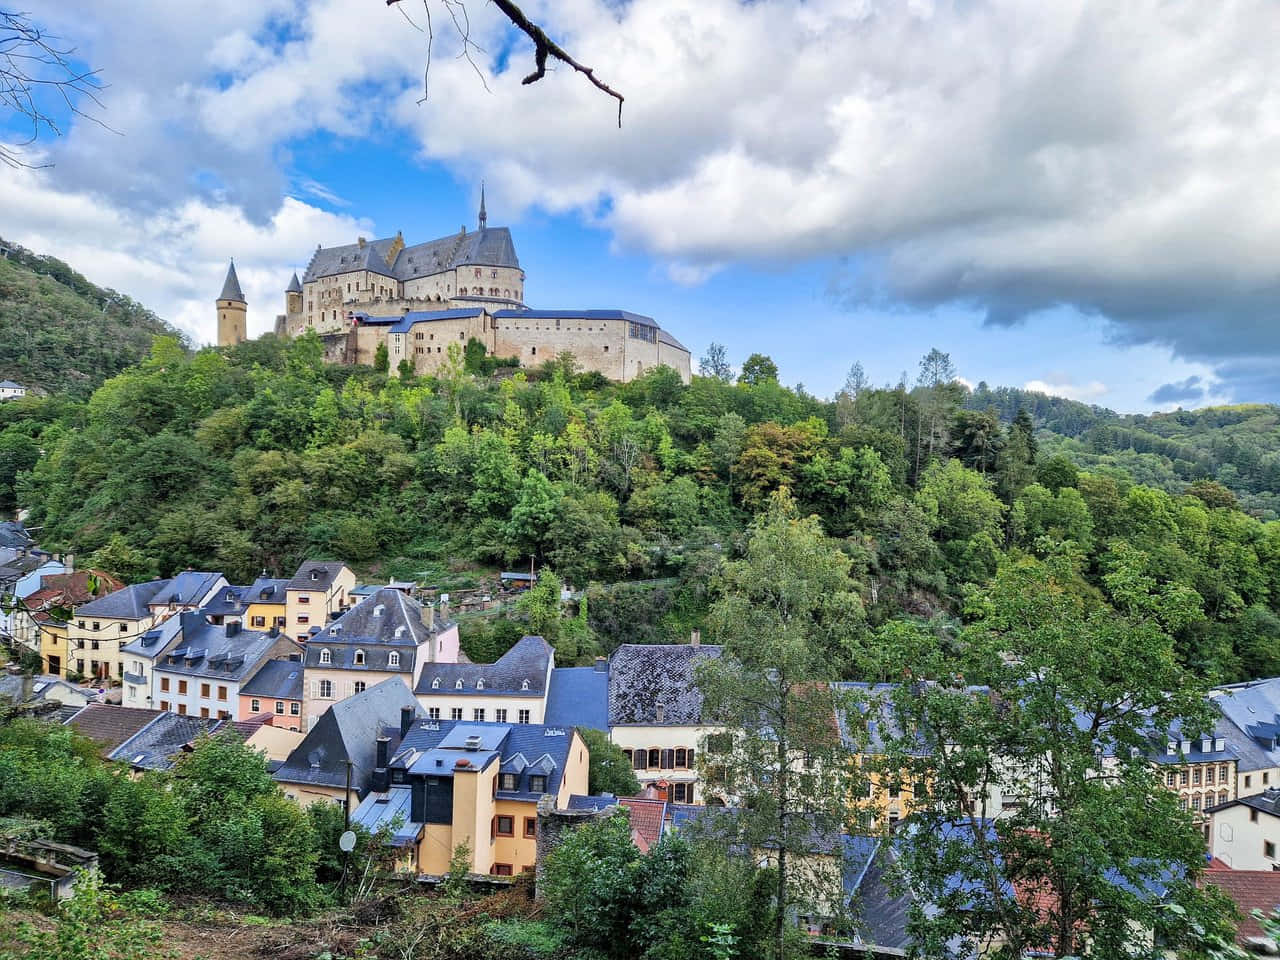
[232, 311]
[293, 297]
[484, 217]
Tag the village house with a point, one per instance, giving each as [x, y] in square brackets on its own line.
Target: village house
[9, 390]
[40, 622]
[201, 676]
[317, 590]
[511, 690]
[1200, 769]
[387, 634]
[476, 785]
[335, 760]
[1250, 725]
[140, 655]
[20, 577]
[1245, 833]
[99, 629]
[655, 713]
[275, 689]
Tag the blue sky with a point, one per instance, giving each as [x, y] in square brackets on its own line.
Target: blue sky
[1080, 198]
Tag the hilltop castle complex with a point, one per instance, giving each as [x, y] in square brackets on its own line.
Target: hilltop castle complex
[418, 299]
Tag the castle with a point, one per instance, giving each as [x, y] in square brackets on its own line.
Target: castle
[418, 299]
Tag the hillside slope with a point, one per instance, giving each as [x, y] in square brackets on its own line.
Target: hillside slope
[62, 333]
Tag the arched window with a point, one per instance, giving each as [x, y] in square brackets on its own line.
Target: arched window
[524, 684]
[435, 684]
[326, 656]
[326, 689]
[458, 685]
[393, 658]
[655, 758]
[480, 684]
[359, 658]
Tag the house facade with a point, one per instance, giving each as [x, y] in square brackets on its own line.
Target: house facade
[140, 655]
[276, 689]
[511, 690]
[1245, 833]
[318, 589]
[9, 390]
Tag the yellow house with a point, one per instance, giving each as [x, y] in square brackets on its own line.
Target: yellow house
[318, 589]
[53, 643]
[472, 785]
[265, 605]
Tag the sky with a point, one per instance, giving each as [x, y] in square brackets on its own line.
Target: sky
[1079, 198]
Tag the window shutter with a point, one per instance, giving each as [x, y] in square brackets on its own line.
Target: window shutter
[689, 761]
[493, 828]
[668, 759]
[637, 760]
[315, 689]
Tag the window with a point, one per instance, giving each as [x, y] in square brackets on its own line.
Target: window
[326, 656]
[435, 683]
[1182, 778]
[500, 714]
[280, 707]
[295, 709]
[457, 685]
[255, 706]
[182, 686]
[164, 684]
[182, 709]
[97, 625]
[358, 686]
[1268, 849]
[530, 827]
[358, 659]
[523, 716]
[393, 658]
[655, 758]
[506, 826]
[455, 713]
[258, 621]
[433, 713]
[326, 689]
[1208, 775]
[524, 684]
[1195, 802]
[1253, 816]
[204, 690]
[682, 792]
[124, 628]
[478, 714]
[222, 693]
[502, 869]
[1248, 782]
[480, 684]
[204, 712]
[303, 618]
[637, 760]
[164, 704]
[1170, 779]
[537, 784]
[224, 714]
[304, 599]
[508, 781]
[1222, 773]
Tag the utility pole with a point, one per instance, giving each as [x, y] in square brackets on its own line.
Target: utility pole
[347, 804]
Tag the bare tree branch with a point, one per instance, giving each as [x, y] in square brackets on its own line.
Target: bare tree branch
[31, 67]
[543, 46]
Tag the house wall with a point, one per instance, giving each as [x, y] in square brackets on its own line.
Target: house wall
[271, 614]
[1202, 785]
[344, 681]
[664, 738]
[1250, 783]
[52, 640]
[473, 810]
[1240, 841]
[518, 850]
[576, 768]
[316, 605]
[110, 635]
[445, 700]
[284, 718]
[306, 794]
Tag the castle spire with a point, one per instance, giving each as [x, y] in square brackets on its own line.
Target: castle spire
[484, 217]
[231, 288]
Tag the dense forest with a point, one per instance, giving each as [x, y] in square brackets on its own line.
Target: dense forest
[255, 457]
[60, 332]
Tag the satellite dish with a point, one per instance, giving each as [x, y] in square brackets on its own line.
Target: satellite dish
[347, 842]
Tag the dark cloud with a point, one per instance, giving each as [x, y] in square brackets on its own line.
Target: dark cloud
[1183, 391]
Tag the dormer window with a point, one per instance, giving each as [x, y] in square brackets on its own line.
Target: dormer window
[480, 684]
[334, 631]
[315, 574]
[1172, 748]
[326, 656]
[435, 684]
[524, 684]
[359, 658]
[537, 784]
[660, 712]
[377, 611]
[399, 632]
[1206, 745]
[458, 685]
[393, 659]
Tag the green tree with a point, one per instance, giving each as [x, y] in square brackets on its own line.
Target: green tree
[715, 363]
[1057, 472]
[787, 616]
[404, 370]
[588, 883]
[381, 358]
[758, 370]
[609, 770]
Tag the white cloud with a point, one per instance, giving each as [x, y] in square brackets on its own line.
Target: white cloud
[1058, 385]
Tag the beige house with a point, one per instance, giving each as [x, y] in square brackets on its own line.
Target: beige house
[318, 589]
[655, 714]
[511, 690]
[385, 635]
[99, 629]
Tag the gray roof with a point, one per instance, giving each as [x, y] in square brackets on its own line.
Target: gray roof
[188, 588]
[227, 601]
[526, 662]
[231, 287]
[42, 688]
[294, 286]
[1268, 802]
[157, 745]
[266, 590]
[315, 575]
[219, 652]
[10, 385]
[579, 697]
[881, 908]
[379, 624]
[151, 643]
[348, 730]
[1250, 722]
[127, 603]
[490, 247]
[13, 534]
[644, 676]
[276, 680]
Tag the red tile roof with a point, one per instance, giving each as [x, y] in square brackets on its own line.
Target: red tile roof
[1249, 890]
[646, 820]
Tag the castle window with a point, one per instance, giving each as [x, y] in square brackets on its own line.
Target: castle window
[533, 351]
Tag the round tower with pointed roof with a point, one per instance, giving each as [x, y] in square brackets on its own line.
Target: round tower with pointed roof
[232, 311]
[293, 297]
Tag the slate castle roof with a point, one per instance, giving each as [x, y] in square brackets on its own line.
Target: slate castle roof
[348, 730]
[276, 680]
[644, 677]
[487, 247]
[383, 622]
[231, 286]
[521, 672]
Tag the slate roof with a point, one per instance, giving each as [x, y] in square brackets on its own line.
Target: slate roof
[128, 603]
[228, 601]
[348, 730]
[153, 641]
[12, 533]
[525, 662]
[1250, 722]
[220, 652]
[157, 745]
[406, 321]
[491, 247]
[1267, 802]
[294, 286]
[644, 676]
[575, 315]
[187, 589]
[379, 809]
[231, 286]
[326, 571]
[266, 590]
[109, 724]
[579, 697]
[275, 680]
[10, 385]
[385, 622]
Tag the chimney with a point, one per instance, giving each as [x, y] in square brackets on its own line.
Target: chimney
[274, 631]
[695, 638]
[233, 628]
[602, 665]
[383, 743]
[406, 721]
[429, 612]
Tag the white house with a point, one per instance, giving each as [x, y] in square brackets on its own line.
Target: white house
[11, 391]
[1245, 833]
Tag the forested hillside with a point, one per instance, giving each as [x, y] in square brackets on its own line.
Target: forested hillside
[261, 455]
[62, 333]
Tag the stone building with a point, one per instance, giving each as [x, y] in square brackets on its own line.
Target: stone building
[417, 299]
